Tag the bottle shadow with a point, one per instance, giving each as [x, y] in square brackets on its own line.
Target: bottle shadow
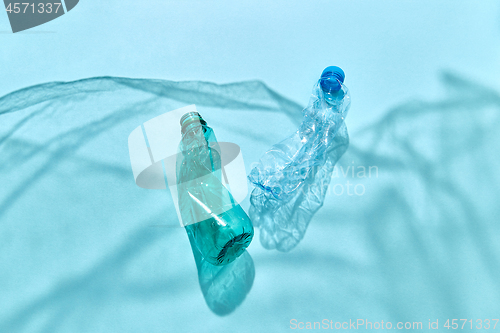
[224, 287]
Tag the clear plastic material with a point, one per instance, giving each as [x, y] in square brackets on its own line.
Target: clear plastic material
[291, 179]
[284, 168]
[218, 225]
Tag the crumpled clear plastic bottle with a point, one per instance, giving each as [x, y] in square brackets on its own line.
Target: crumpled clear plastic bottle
[291, 179]
[218, 225]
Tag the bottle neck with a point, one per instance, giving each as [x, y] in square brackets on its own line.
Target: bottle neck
[333, 98]
[190, 121]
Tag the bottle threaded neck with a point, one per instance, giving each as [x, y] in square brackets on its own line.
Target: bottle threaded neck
[189, 119]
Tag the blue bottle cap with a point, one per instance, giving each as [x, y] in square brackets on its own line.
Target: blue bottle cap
[329, 78]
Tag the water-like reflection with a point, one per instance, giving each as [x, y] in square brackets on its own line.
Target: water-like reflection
[224, 287]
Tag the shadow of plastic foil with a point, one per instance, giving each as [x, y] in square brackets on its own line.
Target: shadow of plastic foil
[76, 240]
[79, 219]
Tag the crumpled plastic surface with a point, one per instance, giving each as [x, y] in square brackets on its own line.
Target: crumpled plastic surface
[218, 225]
[284, 168]
[198, 161]
[283, 223]
[292, 178]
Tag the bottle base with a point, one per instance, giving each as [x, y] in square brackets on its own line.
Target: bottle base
[234, 248]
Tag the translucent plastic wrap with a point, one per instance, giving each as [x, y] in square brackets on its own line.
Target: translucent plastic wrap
[219, 227]
[291, 179]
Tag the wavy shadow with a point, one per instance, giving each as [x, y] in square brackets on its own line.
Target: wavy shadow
[431, 221]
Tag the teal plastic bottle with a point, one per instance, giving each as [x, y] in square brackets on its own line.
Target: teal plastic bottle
[220, 228]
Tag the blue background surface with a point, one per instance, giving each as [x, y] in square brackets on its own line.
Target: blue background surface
[78, 249]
